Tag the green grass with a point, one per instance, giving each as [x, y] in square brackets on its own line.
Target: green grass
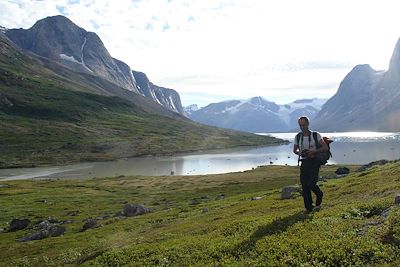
[234, 231]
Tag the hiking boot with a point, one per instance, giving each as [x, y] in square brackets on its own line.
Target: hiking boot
[318, 202]
[309, 210]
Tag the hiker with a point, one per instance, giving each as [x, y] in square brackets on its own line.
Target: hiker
[306, 147]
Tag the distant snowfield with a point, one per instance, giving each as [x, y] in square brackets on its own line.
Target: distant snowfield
[287, 113]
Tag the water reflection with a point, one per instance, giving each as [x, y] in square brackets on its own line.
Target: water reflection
[348, 148]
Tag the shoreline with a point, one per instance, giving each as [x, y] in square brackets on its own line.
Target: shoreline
[166, 154]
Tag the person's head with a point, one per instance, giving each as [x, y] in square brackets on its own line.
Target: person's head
[304, 122]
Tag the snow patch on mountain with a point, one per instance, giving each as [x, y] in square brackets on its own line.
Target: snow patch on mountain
[256, 113]
[306, 105]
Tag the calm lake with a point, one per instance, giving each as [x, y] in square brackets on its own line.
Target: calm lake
[347, 148]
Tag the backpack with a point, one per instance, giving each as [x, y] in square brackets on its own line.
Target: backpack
[322, 157]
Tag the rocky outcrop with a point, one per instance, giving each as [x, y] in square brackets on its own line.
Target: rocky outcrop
[57, 38]
[367, 100]
[288, 192]
[131, 210]
[164, 96]
[18, 224]
[51, 231]
[342, 170]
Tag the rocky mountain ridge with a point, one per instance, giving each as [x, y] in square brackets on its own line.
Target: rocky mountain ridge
[57, 38]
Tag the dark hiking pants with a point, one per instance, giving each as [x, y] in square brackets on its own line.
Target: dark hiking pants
[309, 173]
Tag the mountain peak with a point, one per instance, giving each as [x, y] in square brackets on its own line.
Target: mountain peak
[3, 29]
[55, 19]
[362, 68]
[59, 39]
[394, 65]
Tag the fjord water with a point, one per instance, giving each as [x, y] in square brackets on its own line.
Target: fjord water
[348, 148]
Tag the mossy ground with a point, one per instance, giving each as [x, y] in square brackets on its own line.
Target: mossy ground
[190, 226]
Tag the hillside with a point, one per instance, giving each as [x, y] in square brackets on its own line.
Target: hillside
[213, 220]
[81, 53]
[48, 118]
[366, 100]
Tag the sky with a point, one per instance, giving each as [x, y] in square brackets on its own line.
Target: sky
[216, 50]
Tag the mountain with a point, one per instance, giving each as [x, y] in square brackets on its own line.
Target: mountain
[190, 109]
[164, 96]
[256, 114]
[60, 40]
[366, 100]
[51, 114]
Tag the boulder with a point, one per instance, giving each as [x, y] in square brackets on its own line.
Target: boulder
[53, 231]
[288, 191]
[131, 210]
[73, 213]
[89, 224]
[220, 197]
[397, 199]
[342, 170]
[17, 224]
[375, 163]
[56, 230]
[195, 202]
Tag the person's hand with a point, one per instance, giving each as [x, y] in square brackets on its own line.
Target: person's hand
[311, 153]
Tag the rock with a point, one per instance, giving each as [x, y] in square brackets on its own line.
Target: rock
[288, 191]
[35, 236]
[53, 231]
[220, 197]
[4, 185]
[89, 224]
[56, 230]
[52, 220]
[256, 198]
[72, 213]
[17, 224]
[386, 212]
[397, 199]
[342, 170]
[131, 210]
[102, 217]
[195, 202]
[205, 210]
[375, 163]
[67, 222]
[43, 224]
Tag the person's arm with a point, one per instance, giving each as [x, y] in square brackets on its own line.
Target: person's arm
[296, 149]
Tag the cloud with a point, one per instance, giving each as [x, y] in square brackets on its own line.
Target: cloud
[234, 47]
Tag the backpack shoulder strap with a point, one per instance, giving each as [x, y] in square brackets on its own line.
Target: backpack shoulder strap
[315, 135]
[298, 138]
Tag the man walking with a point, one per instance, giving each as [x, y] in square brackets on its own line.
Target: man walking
[307, 145]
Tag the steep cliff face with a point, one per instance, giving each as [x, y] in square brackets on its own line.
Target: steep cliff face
[59, 39]
[164, 96]
[366, 100]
